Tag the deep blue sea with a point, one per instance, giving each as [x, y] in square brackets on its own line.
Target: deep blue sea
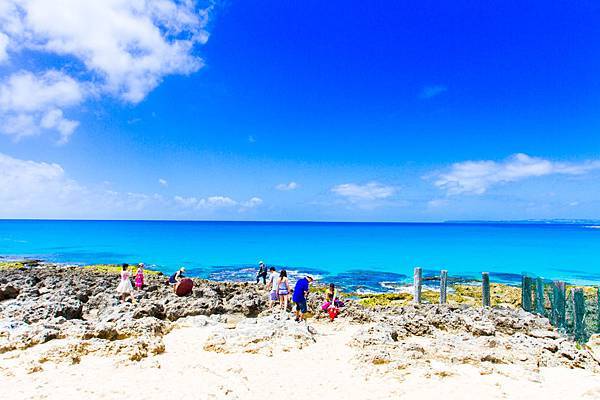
[357, 256]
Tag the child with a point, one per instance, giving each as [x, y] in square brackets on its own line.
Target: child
[331, 305]
[125, 287]
[139, 277]
[332, 298]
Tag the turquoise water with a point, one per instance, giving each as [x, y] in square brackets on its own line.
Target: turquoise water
[370, 256]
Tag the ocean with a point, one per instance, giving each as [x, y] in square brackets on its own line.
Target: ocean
[376, 257]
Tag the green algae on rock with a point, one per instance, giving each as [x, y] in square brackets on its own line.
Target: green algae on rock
[116, 268]
[501, 295]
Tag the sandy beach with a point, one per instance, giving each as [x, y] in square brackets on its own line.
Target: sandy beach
[410, 352]
[324, 369]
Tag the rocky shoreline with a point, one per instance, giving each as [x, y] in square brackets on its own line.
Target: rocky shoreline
[78, 310]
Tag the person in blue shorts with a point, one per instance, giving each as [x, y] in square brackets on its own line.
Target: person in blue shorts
[299, 297]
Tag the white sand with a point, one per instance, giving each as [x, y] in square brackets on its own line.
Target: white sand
[321, 371]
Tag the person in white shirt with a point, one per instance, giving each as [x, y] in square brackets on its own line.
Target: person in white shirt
[272, 284]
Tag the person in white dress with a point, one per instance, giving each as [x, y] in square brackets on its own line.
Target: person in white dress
[125, 288]
[272, 285]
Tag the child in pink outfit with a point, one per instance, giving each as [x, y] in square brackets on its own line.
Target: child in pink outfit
[139, 277]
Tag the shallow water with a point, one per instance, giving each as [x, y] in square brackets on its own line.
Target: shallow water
[361, 256]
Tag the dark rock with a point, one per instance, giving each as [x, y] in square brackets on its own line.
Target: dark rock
[8, 292]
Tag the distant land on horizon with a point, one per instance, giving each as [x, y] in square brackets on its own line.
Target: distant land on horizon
[531, 221]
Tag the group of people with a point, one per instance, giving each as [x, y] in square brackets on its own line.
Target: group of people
[125, 288]
[278, 284]
[279, 290]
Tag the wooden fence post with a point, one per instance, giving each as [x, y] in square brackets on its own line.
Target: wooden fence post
[526, 293]
[559, 299]
[485, 289]
[539, 296]
[598, 311]
[418, 277]
[579, 315]
[443, 286]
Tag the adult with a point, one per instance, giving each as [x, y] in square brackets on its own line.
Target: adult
[176, 278]
[300, 292]
[124, 288]
[283, 289]
[272, 285]
[262, 273]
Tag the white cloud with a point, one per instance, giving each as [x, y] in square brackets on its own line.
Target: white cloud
[216, 202]
[369, 191]
[24, 91]
[287, 186]
[54, 119]
[3, 47]
[30, 189]
[163, 182]
[252, 203]
[476, 177]
[432, 91]
[187, 202]
[30, 103]
[121, 47]
[436, 203]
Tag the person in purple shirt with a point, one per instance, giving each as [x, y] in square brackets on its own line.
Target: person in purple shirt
[299, 297]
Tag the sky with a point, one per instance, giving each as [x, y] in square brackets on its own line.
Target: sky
[310, 111]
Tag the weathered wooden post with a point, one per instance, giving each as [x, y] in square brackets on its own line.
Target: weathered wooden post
[443, 286]
[559, 298]
[526, 293]
[485, 289]
[418, 277]
[598, 311]
[579, 315]
[539, 296]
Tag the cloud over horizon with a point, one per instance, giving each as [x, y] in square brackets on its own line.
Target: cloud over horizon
[287, 186]
[476, 177]
[367, 192]
[216, 202]
[32, 189]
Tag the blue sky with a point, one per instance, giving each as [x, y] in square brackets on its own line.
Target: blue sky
[271, 110]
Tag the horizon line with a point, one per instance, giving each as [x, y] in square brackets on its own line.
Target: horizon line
[545, 221]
